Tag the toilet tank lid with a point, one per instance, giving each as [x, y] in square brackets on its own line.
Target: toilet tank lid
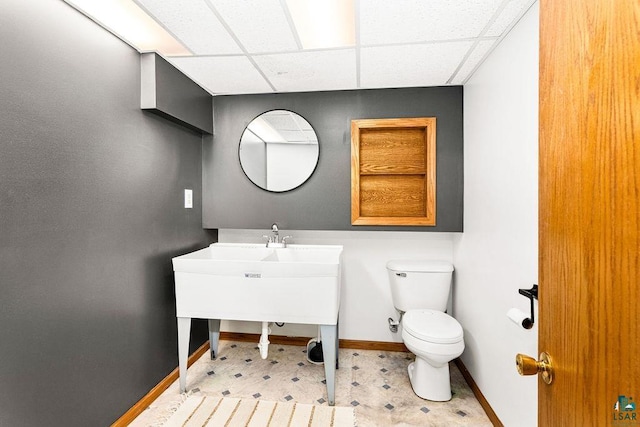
[420, 266]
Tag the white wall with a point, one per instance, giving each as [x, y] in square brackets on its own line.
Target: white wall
[366, 298]
[497, 253]
[289, 165]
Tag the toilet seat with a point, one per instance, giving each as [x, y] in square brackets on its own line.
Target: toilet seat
[432, 326]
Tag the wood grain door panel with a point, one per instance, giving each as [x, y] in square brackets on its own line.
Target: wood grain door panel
[589, 210]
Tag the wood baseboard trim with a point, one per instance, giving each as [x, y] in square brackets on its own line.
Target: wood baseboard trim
[273, 339]
[156, 391]
[284, 340]
[476, 391]
[374, 345]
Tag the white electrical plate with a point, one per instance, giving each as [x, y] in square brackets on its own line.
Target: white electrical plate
[188, 199]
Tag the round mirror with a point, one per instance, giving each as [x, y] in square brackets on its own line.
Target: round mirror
[278, 150]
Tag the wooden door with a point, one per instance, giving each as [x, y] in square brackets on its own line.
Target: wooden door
[590, 211]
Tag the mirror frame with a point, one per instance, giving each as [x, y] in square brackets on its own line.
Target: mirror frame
[310, 173]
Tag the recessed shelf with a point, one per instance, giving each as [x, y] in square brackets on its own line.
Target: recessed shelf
[393, 171]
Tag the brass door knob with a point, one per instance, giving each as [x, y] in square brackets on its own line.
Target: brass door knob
[527, 365]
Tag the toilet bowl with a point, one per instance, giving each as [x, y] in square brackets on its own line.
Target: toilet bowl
[436, 339]
[420, 290]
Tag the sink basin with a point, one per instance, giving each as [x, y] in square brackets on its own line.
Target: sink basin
[237, 281]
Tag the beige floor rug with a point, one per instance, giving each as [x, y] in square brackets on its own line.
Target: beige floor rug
[214, 411]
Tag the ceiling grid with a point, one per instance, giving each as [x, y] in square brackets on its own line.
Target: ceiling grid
[256, 46]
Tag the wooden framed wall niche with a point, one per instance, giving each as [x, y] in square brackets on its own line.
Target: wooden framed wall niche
[393, 171]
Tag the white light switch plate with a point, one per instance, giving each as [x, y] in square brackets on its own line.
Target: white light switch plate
[188, 199]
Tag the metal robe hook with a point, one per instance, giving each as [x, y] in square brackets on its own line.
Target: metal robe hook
[531, 294]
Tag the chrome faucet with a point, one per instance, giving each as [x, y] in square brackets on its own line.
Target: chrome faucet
[274, 241]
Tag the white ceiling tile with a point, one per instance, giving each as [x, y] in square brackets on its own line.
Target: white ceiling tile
[302, 123]
[310, 135]
[290, 126]
[194, 23]
[402, 43]
[405, 21]
[310, 70]
[260, 25]
[512, 11]
[294, 136]
[410, 65]
[281, 121]
[225, 74]
[478, 54]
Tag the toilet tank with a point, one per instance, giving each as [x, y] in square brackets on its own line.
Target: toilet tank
[419, 284]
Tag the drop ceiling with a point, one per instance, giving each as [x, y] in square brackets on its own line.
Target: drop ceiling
[251, 46]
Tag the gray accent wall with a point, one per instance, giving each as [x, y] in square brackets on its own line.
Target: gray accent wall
[168, 92]
[324, 202]
[91, 193]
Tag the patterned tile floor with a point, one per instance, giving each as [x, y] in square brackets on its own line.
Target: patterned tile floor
[374, 382]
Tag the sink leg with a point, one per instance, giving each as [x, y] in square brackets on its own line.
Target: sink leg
[330, 352]
[214, 336]
[337, 341]
[184, 330]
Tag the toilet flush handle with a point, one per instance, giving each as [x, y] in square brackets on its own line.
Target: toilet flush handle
[401, 274]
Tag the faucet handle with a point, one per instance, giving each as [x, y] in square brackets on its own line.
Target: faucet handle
[285, 238]
[269, 239]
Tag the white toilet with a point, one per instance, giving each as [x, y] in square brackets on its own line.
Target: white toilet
[420, 292]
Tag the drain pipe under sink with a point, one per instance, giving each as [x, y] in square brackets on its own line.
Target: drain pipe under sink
[263, 345]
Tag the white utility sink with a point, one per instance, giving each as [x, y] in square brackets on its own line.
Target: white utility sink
[238, 281]
[296, 284]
